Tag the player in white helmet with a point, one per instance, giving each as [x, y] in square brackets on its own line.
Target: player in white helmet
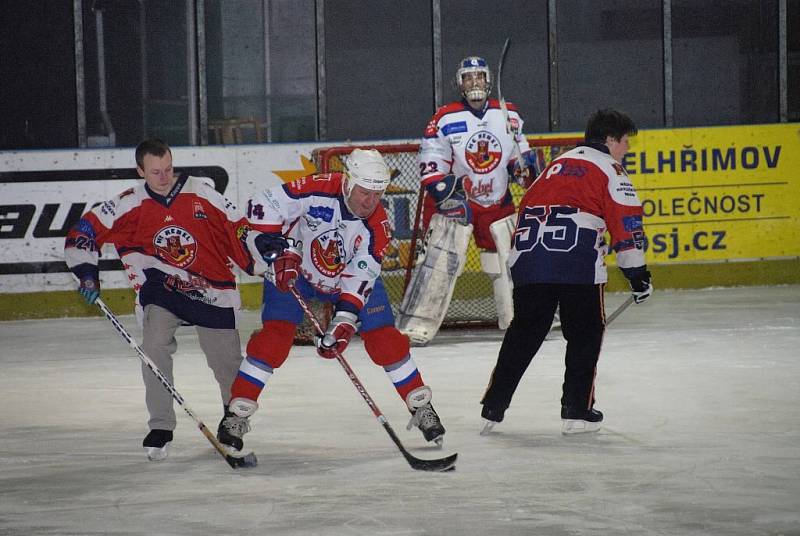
[338, 231]
[467, 159]
[366, 177]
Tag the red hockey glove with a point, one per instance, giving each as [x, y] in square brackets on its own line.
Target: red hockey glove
[338, 334]
[287, 268]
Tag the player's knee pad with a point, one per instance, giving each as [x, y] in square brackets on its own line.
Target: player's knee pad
[385, 345]
[271, 344]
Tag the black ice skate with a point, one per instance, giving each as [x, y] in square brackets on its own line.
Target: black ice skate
[156, 444]
[231, 429]
[423, 416]
[578, 421]
[427, 420]
[491, 416]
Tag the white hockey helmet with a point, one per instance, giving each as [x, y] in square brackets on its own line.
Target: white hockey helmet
[474, 64]
[367, 168]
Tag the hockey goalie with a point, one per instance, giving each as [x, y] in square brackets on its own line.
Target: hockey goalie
[466, 160]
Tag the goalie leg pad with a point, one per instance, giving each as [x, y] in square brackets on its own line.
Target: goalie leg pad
[496, 267]
[431, 288]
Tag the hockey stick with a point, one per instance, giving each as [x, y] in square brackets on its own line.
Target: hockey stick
[610, 318]
[517, 154]
[440, 464]
[245, 460]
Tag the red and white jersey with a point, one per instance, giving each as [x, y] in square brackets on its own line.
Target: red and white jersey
[177, 249]
[341, 252]
[563, 216]
[461, 141]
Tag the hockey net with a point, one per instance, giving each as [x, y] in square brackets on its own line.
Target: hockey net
[473, 302]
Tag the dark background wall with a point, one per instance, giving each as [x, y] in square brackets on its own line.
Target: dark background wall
[305, 70]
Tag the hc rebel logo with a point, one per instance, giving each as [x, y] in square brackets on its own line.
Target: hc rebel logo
[176, 246]
[483, 152]
[326, 253]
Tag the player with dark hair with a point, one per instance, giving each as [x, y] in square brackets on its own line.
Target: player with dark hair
[176, 236]
[557, 260]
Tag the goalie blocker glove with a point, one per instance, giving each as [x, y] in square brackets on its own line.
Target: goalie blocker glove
[341, 329]
[639, 279]
[451, 198]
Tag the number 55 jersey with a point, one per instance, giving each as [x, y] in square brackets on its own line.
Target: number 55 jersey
[564, 215]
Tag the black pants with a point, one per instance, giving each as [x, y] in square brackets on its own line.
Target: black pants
[582, 323]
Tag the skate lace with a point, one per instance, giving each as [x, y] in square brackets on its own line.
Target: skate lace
[424, 418]
[236, 426]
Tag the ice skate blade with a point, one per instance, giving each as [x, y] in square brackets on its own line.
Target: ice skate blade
[577, 426]
[156, 454]
[487, 428]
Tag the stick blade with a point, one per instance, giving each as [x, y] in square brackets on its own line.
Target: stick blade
[438, 465]
[247, 461]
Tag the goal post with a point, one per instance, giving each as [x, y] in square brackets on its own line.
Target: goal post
[473, 302]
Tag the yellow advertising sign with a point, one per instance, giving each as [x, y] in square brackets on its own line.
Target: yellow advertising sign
[718, 193]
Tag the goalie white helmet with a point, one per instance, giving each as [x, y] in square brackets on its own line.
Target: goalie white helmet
[366, 177]
[474, 87]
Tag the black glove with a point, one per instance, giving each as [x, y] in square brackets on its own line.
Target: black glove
[641, 286]
[270, 246]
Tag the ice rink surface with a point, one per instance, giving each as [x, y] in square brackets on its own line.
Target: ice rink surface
[699, 388]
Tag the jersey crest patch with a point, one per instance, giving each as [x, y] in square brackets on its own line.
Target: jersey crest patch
[176, 246]
[326, 253]
[483, 152]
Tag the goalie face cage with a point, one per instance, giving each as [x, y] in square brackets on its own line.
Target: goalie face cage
[473, 302]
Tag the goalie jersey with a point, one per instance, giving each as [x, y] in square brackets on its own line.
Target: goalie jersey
[564, 215]
[342, 253]
[461, 141]
[176, 249]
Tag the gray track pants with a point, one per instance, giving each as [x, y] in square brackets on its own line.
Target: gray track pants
[221, 347]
